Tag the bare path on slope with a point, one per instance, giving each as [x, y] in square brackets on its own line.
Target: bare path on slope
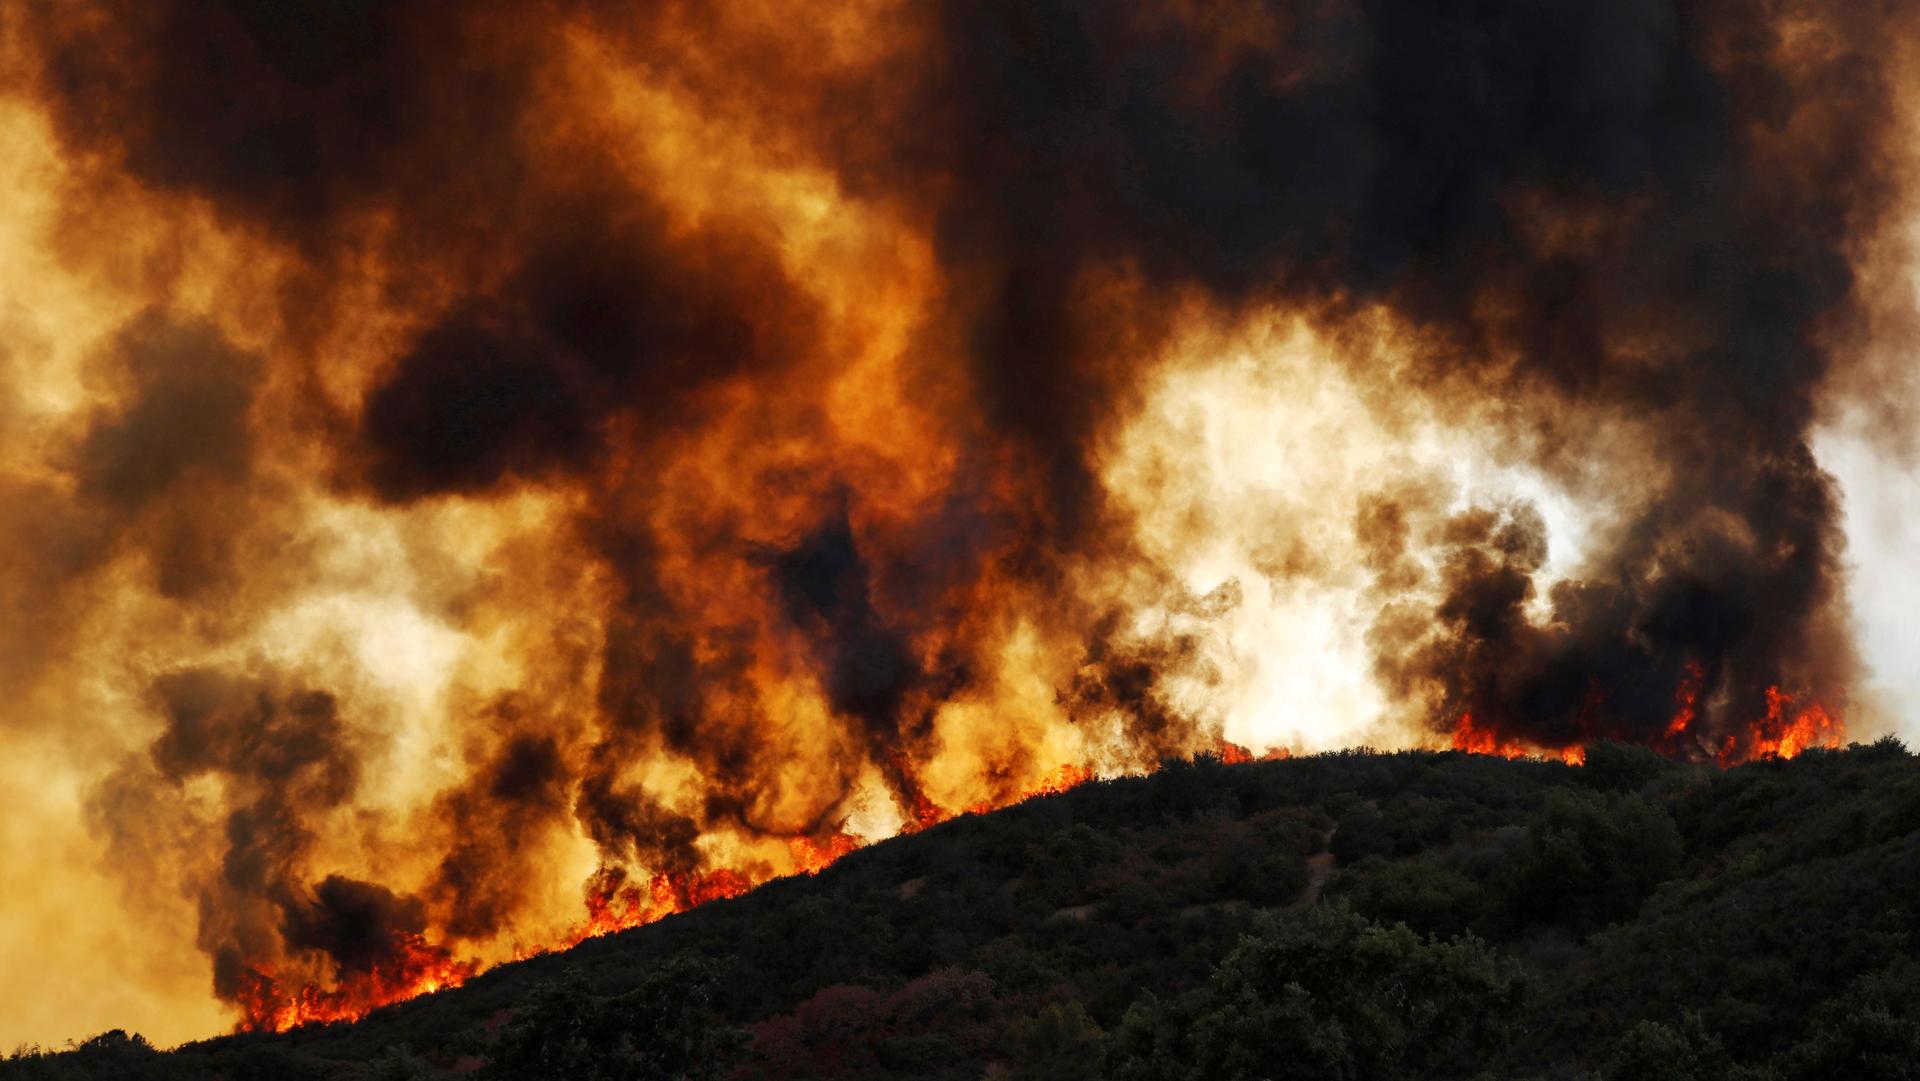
[1319, 869]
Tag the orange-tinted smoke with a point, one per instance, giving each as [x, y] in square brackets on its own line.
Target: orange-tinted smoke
[486, 475]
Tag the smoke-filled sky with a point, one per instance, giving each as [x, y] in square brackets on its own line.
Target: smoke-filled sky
[461, 463]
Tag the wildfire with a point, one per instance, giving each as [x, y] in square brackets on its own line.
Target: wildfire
[926, 814]
[1684, 698]
[811, 856]
[1789, 728]
[1233, 753]
[417, 968]
[1059, 780]
[671, 471]
[1786, 730]
[1473, 739]
[614, 905]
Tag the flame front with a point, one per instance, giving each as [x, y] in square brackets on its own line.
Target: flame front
[1686, 700]
[1789, 728]
[415, 968]
[1473, 739]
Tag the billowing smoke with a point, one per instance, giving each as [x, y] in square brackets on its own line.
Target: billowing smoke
[1641, 210]
[499, 473]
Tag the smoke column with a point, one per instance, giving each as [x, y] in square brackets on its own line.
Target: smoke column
[476, 475]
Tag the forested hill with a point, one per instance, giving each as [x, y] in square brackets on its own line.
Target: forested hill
[1356, 915]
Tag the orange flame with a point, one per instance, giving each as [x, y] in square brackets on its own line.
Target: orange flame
[926, 814]
[423, 969]
[1059, 780]
[1784, 732]
[1233, 753]
[811, 856]
[1473, 739]
[1684, 698]
[417, 969]
[664, 895]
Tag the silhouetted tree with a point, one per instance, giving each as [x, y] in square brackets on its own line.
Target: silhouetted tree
[1328, 996]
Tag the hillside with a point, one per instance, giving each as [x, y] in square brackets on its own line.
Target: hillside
[1355, 915]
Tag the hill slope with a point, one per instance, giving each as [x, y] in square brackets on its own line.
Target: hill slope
[1355, 915]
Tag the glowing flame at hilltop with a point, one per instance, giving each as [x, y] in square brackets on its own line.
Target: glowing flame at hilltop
[811, 856]
[1471, 738]
[414, 968]
[1789, 728]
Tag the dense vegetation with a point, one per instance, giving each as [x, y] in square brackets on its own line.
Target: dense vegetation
[1347, 916]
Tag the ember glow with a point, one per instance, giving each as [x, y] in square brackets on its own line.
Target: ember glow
[1686, 701]
[412, 968]
[1790, 727]
[811, 856]
[1471, 738]
[616, 905]
[478, 476]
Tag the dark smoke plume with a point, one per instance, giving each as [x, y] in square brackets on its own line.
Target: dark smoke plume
[285, 758]
[1423, 157]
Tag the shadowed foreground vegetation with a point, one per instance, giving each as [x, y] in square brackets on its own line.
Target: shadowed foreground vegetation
[1350, 916]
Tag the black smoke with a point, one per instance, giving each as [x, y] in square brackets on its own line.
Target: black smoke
[285, 759]
[508, 804]
[604, 321]
[868, 666]
[1642, 210]
[359, 925]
